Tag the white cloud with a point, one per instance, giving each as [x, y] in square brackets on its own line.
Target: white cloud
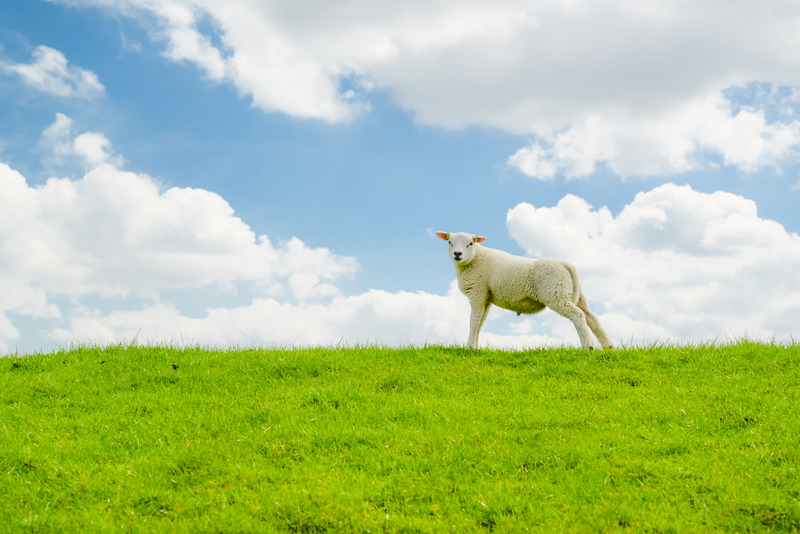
[185, 42]
[118, 233]
[50, 72]
[90, 149]
[675, 264]
[93, 148]
[635, 85]
[57, 138]
[641, 145]
[372, 317]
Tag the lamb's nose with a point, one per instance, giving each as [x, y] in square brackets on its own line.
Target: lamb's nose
[457, 255]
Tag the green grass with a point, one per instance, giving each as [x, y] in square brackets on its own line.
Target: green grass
[663, 439]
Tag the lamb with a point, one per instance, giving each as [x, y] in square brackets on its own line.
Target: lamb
[523, 285]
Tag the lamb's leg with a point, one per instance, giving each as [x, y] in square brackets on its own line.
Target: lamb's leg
[594, 324]
[578, 318]
[476, 320]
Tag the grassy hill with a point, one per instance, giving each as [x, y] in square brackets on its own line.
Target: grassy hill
[435, 439]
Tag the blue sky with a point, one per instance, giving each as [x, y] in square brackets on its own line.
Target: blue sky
[270, 173]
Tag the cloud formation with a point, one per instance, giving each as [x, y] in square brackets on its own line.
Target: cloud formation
[674, 264]
[50, 72]
[668, 144]
[374, 317]
[117, 234]
[642, 87]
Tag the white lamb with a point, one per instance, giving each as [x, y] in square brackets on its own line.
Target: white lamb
[523, 285]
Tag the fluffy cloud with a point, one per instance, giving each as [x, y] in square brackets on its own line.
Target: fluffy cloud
[114, 232]
[665, 144]
[639, 86]
[89, 149]
[373, 317]
[675, 264]
[118, 234]
[50, 72]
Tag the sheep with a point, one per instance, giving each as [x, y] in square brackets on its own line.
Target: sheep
[523, 285]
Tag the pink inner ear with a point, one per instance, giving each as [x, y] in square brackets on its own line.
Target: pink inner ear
[479, 239]
[443, 235]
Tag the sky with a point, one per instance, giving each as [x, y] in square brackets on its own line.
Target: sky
[270, 173]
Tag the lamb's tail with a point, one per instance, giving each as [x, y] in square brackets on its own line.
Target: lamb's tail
[576, 283]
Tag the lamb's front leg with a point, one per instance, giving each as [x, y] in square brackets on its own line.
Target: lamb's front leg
[478, 315]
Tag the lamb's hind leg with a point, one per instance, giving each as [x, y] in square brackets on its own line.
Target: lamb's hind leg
[578, 318]
[594, 324]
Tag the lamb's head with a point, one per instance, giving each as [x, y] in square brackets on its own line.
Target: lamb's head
[462, 249]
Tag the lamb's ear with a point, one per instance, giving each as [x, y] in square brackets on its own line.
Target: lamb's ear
[478, 239]
[444, 235]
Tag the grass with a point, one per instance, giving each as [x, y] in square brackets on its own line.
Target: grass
[663, 439]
